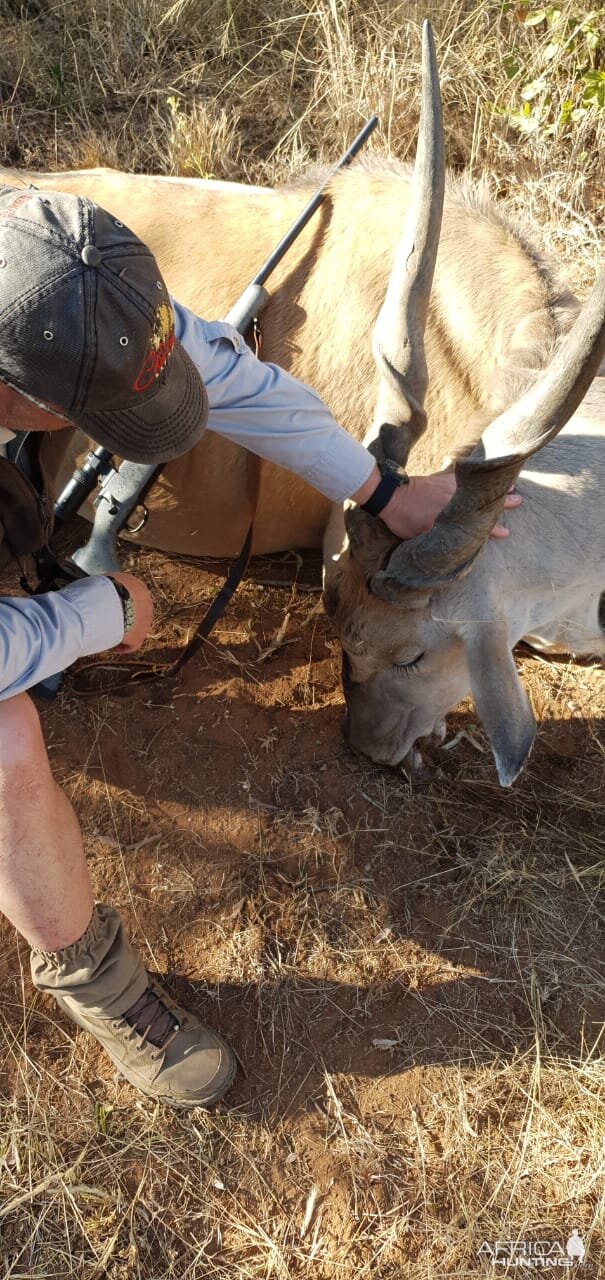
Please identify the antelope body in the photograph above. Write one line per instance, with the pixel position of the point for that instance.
(498, 314)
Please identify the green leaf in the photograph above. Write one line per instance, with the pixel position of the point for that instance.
(523, 120)
(533, 89)
(511, 66)
(594, 89)
(102, 1114)
(535, 17)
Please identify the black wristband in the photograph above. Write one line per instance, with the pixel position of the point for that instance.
(383, 492)
(122, 591)
(126, 601)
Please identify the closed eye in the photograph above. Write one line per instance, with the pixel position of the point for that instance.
(409, 667)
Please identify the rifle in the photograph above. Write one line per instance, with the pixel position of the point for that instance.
(124, 490)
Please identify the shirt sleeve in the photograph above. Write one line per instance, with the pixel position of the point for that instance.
(260, 406)
(42, 635)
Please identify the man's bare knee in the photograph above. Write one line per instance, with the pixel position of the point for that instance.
(22, 747)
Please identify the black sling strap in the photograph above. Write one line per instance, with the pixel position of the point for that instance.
(125, 676)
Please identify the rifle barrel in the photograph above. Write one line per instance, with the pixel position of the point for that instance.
(313, 204)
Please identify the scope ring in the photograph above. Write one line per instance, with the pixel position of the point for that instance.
(136, 528)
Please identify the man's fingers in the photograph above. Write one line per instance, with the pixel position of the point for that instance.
(512, 500)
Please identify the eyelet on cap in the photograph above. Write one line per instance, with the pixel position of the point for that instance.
(123, 340)
(158, 284)
(48, 335)
(2, 262)
(117, 224)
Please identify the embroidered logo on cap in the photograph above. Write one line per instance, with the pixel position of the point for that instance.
(11, 209)
(160, 346)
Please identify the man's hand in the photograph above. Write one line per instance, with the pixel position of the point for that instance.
(143, 613)
(414, 507)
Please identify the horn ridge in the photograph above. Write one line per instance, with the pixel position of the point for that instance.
(449, 549)
(398, 342)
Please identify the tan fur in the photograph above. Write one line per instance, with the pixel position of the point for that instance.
(495, 314)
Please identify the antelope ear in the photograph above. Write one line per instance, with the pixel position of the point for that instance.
(370, 542)
(500, 699)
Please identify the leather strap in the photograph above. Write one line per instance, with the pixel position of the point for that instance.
(234, 577)
(135, 672)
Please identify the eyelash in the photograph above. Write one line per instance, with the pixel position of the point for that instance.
(408, 667)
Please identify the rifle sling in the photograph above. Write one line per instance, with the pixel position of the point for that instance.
(135, 672)
(217, 608)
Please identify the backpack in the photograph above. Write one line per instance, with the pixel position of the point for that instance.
(27, 479)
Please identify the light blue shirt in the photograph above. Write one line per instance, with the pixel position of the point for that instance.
(40, 635)
(264, 409)
(251, 403)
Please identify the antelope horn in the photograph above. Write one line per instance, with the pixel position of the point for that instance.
(483, 478)
(398, 342)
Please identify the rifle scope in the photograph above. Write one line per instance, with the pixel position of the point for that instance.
(96, 464)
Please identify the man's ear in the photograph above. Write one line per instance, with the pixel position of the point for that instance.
(502, 704)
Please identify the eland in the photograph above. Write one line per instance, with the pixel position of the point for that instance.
(482, 359)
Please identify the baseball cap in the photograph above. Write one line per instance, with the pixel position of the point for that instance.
(87, 326)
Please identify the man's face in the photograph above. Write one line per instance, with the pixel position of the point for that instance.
(19, 413)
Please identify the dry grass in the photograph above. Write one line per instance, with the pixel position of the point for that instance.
(413, 980)
(256, 91)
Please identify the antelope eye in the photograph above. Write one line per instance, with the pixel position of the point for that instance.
(408, 667)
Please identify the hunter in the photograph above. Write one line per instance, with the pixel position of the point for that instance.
(90, 337)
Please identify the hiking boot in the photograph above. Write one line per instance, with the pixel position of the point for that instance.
(161, 1048)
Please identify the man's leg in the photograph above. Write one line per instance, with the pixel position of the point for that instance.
(45, 887)
(81, 954)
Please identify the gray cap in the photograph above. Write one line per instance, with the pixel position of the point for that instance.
(86, 326)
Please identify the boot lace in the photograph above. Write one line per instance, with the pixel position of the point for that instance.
(151, 1018)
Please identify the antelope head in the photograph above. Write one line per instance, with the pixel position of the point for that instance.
(425, 621)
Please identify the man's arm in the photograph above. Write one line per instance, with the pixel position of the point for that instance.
(40, 635)
(261, 407)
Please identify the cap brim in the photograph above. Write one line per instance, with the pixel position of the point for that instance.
(167, 424)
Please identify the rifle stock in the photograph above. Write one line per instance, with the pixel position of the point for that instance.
(124, 490)
(121, 492)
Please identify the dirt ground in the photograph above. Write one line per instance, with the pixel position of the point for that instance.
(412, 977)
